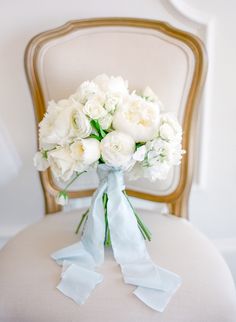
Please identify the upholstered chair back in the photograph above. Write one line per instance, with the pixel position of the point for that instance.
(144, 52)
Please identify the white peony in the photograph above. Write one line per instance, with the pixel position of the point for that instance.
(61, 163)
(117, 149)
(57, 128)
(94, 107)
(85, 152)
(112, 84)
(170, 129)
(40, 161)
(138, 118)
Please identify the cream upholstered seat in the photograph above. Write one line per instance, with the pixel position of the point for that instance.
(28, 277)
(172, 63)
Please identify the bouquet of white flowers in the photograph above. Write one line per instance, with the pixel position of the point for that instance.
(102, 125)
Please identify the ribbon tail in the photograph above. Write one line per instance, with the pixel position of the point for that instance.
(158, 299)
(155, 284)
(79, 260)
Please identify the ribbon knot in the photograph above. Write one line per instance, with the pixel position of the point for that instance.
(155, 284)
(112, 177)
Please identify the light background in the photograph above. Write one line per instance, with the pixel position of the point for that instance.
(213, 199)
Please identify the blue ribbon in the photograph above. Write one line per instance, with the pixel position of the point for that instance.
(155, 285)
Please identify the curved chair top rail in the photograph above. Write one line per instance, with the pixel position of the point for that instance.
(177, 200)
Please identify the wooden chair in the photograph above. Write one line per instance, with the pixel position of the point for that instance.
(172, 62)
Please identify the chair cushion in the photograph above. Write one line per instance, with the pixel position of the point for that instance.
(28, 277)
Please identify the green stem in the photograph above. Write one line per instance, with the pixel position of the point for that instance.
(81, 221)
(70, 182)
(107, 240)
(142, 227)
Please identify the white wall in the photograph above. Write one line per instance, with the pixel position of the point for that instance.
(213, 200)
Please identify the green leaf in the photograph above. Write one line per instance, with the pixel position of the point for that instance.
(101, 161)
(138, 145)
(45, 154)
(94, 136)
(63, 194)
(102, 132)
(95, 125)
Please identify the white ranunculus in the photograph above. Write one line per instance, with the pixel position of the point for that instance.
(138, 118)
(40, 162)
(112, 84)
(106, 121)
(57, 128)
(62, 198)
(170, 129)
(94, 108)
(117, 149)
(82, 125)
(61, 163)
(85, 152)
(85, 91)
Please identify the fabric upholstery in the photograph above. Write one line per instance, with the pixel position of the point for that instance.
(28, 277)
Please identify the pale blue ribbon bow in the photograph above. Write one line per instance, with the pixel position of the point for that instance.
(155, 284)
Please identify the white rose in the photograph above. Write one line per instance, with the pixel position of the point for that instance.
(85, 152)
(94, 108)
(62, 198)
(112, 84)
(57, 128)
(82, 125)
(40, 162)
(170, 129)
(117, 149)
(61, 163)
(106, 121)
(138, 118)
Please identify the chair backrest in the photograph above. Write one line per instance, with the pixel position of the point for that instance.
(145, 52)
